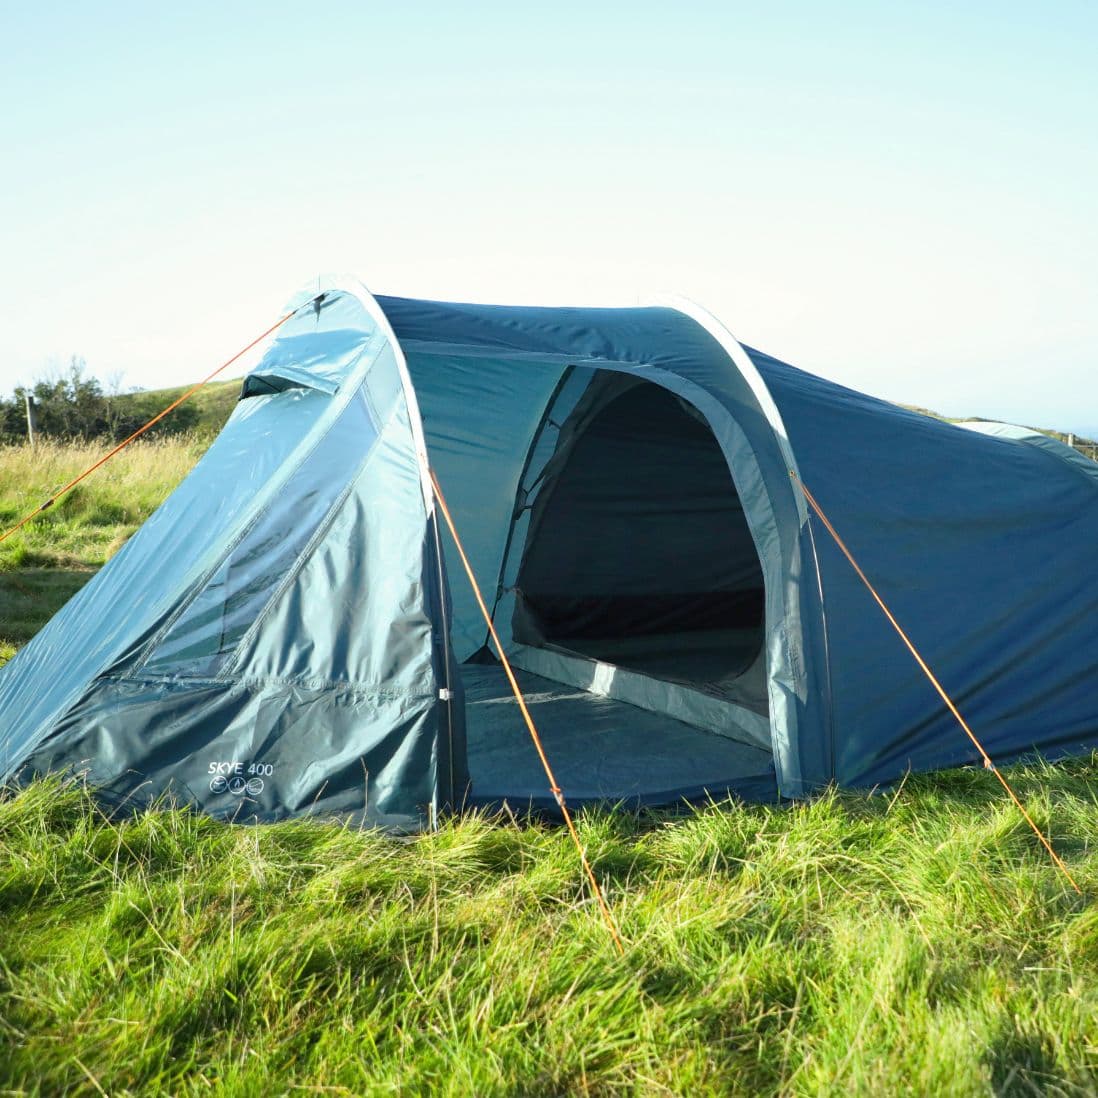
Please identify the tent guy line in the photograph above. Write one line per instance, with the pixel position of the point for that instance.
(910, 645)
(146, 426)
(554, 788)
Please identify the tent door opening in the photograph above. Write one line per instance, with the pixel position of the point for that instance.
(634, 602)
(638, 553)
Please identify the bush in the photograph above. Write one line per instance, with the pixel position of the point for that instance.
(74, 406)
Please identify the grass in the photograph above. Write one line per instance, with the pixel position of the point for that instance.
(58, 551)
(914, 942)
(917, 943)
(213, 404)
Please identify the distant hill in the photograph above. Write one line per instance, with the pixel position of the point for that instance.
(74, 407)
(213, 402)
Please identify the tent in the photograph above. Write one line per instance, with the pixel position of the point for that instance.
(290, 633)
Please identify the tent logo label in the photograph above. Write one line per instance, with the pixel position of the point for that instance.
(231, 769)
(239, 778)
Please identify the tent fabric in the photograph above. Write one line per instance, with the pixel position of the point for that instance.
(264, 647)
(980, 547)
(290, 634)
(1053, 446)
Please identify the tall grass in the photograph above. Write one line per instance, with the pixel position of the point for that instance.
(918, 943)
(60, 549)
(80, 527)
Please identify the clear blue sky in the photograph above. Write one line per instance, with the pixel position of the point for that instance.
(902, 197)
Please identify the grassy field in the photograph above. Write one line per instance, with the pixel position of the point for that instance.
(916, 941)
(59, 551)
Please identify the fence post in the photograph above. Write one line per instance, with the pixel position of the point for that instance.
(32, 418)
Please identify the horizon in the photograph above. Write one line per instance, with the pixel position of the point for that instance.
(897, 200)
(122, 390)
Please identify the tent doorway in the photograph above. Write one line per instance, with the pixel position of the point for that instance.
(637, 613)
(638, 553)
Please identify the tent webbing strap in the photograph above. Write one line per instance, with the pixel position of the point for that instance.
(151, 423)
(988, 764)
(555, 789)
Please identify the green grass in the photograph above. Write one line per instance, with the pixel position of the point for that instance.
(915, 942)
(58, 551)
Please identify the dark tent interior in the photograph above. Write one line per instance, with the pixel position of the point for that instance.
(639, 554)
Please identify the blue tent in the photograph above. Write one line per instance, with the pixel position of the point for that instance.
(290, 632)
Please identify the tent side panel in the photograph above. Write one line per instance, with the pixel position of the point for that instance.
(295, 667)
(980, 547)
(251, 751)
(164, 564)
(153, 573)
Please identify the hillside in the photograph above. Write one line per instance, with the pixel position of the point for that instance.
(214, 403)
(1086, 446)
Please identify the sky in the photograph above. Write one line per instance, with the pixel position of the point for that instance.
(901, 197)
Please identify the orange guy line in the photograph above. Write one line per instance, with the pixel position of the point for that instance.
(935, 683)
(557, 792)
